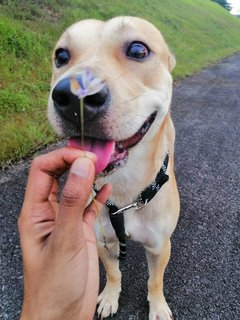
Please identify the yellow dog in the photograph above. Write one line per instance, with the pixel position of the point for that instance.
(121, 69)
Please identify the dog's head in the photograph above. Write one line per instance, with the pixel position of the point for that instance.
(123, 68)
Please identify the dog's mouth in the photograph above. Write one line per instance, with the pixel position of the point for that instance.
(111, 154)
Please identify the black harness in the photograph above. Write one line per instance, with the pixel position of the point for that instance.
(116, 213)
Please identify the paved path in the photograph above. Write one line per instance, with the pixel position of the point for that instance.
(203, 278)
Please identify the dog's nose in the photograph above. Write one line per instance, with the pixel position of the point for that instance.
(67, 104)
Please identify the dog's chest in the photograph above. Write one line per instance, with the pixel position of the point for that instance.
(139, 227)
(147, 225)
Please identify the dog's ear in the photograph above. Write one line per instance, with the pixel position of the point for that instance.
(171, 62)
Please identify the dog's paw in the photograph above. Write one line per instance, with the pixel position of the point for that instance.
(108, 302)
(160, 311)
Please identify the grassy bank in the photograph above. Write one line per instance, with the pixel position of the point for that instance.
(199, 32)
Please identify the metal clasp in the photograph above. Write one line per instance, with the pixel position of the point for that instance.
(132, 205)
(129, 206)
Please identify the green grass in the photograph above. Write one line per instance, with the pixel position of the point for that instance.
(199, 32)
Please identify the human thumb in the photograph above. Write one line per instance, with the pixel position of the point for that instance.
(76, 192)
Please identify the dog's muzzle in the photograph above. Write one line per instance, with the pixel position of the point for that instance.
(67, 104)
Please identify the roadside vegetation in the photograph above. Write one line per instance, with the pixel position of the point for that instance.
(198, 32)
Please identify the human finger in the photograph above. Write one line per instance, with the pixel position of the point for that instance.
(46, 168)
(94, 208)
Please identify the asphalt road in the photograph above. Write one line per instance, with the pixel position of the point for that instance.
(202, 281)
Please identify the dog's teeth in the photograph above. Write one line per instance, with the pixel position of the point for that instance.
(120, 147)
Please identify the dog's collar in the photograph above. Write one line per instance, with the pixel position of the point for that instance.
(116, 213)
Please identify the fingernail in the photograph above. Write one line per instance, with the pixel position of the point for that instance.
(90, 155)
(81, 167)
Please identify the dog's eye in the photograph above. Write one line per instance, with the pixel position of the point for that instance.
(62, 57)
(137, 51)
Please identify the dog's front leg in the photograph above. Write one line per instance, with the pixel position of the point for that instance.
(108, 299)
(157, 263)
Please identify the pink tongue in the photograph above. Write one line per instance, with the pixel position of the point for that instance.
(103, 150)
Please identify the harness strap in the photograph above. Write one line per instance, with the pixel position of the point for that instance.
(116, 214)
(151, 190)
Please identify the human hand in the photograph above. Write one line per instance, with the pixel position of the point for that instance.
(60, 259)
